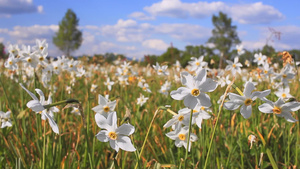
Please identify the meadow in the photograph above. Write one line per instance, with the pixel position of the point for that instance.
(71, 126)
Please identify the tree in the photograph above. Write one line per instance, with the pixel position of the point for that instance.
(68, 38)
(3, 55)
(224, 35)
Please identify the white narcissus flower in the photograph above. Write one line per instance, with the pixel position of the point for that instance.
(240, 49)
(117, 136)
(194, 92)
(283, 93)
(197, 63)
(180, 135)
(259, 58)
(38, 106)
(11, 62)
(93, 87)
(109, 83)
(246, 100)
(142, 100)
(183, 117)
(161, 70)
(286, 74)
(177, 66)
(234, 66)
(5, 119)
(280, 109)
(105, 106)
(201, 113)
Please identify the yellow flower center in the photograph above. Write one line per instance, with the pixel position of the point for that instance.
(259, 58)
(195, 92)
(284, 75)
(159, 70)
(180, 118)
(265, 71)
(41, 48)
(197, 63)
(233, 65)
(10, 62)
(202, 108)
(29, 60)
(283, 95)
(181, 137)
(106, 109)
(277, 110)
(41, 58)
(195, 111)
(113, 135)
(55, 67)
(71, 66)
(248, 102)
(144, 88)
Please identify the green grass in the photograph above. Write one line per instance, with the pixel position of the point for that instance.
(77, 147)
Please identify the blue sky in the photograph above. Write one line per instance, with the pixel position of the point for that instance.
(139, 27)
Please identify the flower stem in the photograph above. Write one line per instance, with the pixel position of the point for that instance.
(143, 146)
(220, 109)
(44, 146)
(188, 139)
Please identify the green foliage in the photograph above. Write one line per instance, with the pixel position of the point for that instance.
(171, 55)
(224, 35)
(3, 55)
(68, 38)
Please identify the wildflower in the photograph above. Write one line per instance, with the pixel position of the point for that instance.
(286, 74)
(200, 114)
(246, 100)
(76, 111)
(195, 89)
(38, 106)
(105, 106)
(68, 89)
(142, 100)
(109, 83)
(180, 135)
(177, 66)
(183, 117)
(5, 119)
(280, 109)
(93, 87)
(267, 70)
(234, 66)
(251, 140)
(197, 63)
(259, 58)
(145, 87)
(240, 49)
(117, 136)
(161, 69)
(283, 93)
(41, 45)
(11, 62)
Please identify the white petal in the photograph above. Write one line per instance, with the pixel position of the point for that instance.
(42, 96)
(190, 101)
(124, 143)
(31, 94)
(35, 105)
(232, 105)
(102, 122)
(246, 111)
(125, 129)
(187, 79)
(249, 87)
(113, 144)
(170, 122)
(101, 136)
(208, 86)
(112, 120)
(288, 116)
(236, 97)
(180, 93)
(101, 100)
(293, 106)
(52, 123)
(204, 100)
(266, 108)
(201, 75)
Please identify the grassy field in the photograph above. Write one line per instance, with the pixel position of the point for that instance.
(223, 140)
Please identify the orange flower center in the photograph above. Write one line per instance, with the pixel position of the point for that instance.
(181, 137)
(113, 135)
(197, 63)
(180, 118)
(195, 92)
(248, 102)
(233, 65)
(277, 110)
(283, 95)
(106, 109)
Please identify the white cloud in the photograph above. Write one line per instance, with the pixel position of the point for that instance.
(141, 16)
(156, 44)
(12, 7)
(253, 13)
